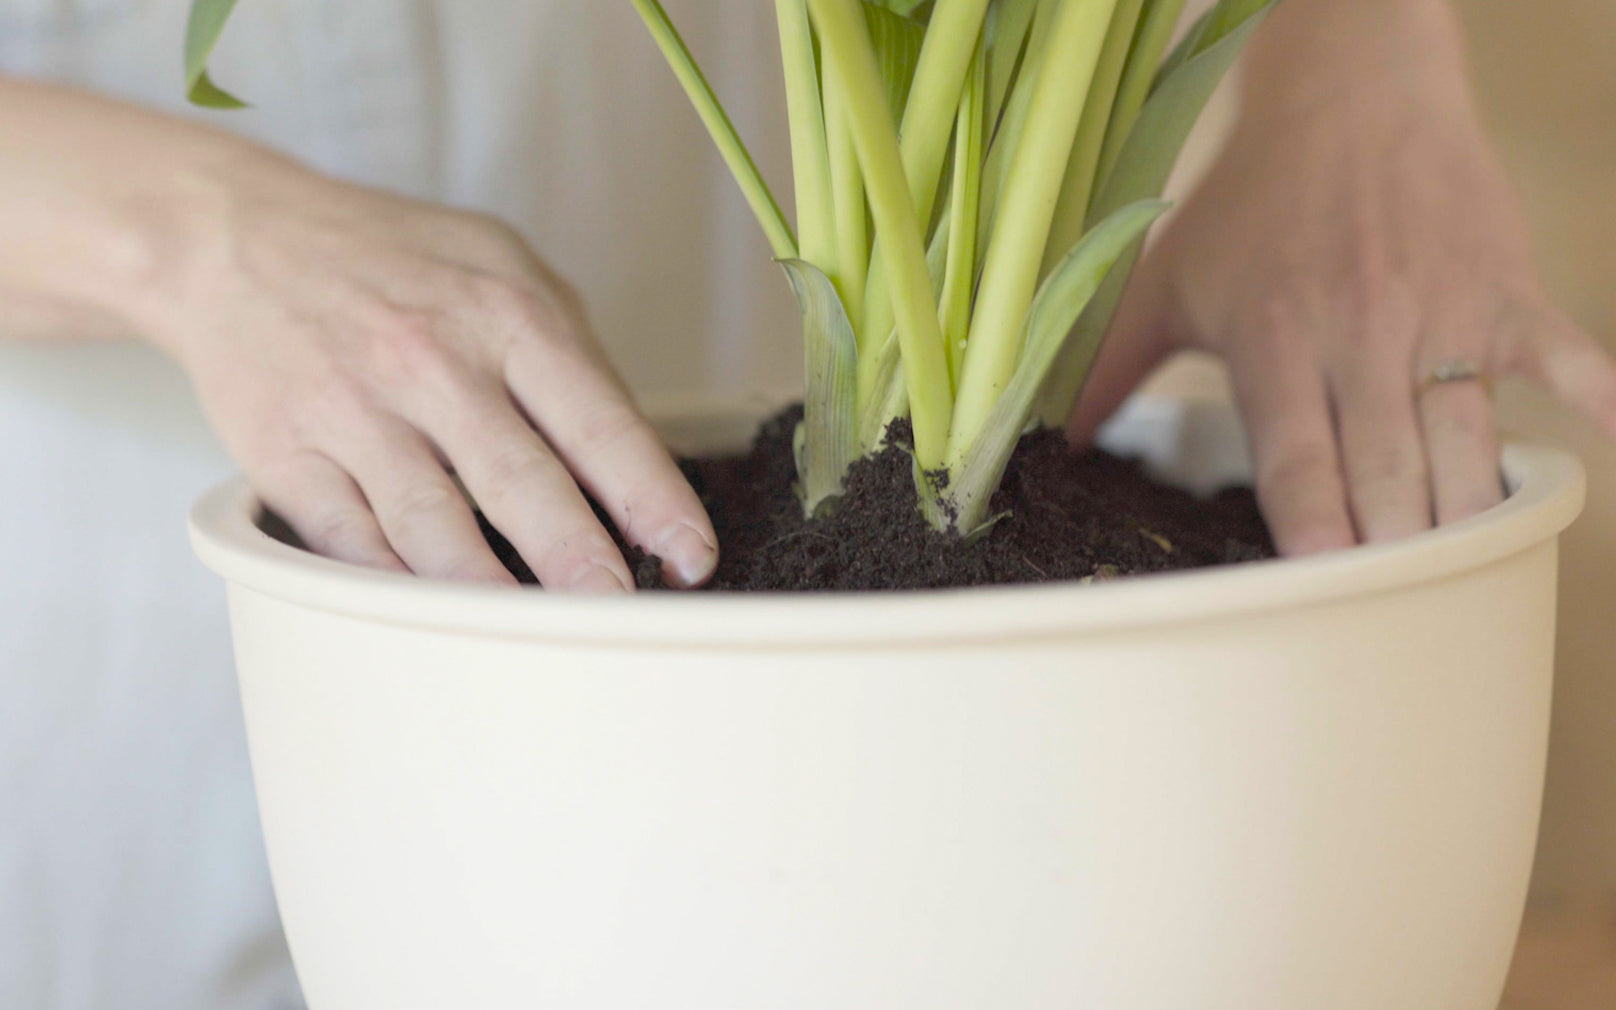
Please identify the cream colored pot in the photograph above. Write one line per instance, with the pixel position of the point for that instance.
(1300, 785)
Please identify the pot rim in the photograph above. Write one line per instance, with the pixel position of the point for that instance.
(1548, 488)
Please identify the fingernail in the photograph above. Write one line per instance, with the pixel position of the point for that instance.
(687, 554)
(598, 580)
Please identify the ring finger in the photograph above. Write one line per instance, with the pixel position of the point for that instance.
(423, 514)
(1461, 441)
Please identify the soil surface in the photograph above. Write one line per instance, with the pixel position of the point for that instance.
(1071, 517)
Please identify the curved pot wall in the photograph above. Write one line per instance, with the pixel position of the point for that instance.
(1293, 784)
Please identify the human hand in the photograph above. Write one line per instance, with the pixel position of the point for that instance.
(354, 348)
(1357, 234)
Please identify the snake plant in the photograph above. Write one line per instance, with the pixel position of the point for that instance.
(973, 180)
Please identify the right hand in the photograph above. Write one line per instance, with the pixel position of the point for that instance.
(1378, 238)
(353, 349)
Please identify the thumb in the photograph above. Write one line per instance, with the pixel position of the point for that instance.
(1139, 339)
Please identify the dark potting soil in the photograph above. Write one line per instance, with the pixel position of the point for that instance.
(1069, 517)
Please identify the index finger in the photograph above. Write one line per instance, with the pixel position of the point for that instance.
(616, 455)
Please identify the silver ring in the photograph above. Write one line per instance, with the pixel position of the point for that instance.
(1455, 370)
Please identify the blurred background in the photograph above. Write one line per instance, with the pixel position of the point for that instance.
(1547, 79)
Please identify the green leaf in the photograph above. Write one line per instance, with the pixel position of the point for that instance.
(736, 156)
(1060, 300)
(904, 8)
(1009, 23)
(851, 210)
(1157, 22)
(952, 39)
(829, 435)
(202, 33)
(1187, 46)
(1142, 171)
(948, 45)
(1217, 24)
(959, 284)
(898, 41)
(1153, 146)
(883, 387)
(1083, 169)
(1011, 117)
(851, 63)
(810, 147)
(887, 397)
(1029, 191)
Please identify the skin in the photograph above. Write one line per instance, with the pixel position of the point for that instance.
(357, 351)
(1357, 232)
(353, 349)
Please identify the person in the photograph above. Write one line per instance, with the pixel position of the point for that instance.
(359, 321)
(1358, 258)
(324, 269)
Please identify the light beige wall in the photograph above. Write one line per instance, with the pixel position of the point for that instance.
(1547, 78)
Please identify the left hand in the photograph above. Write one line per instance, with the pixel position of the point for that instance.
(1341, 251)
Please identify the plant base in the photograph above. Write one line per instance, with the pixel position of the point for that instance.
(1067, 517)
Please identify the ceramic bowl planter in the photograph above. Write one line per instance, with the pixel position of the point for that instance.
(1303, 784)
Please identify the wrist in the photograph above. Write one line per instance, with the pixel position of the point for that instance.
(168, 235)
(109, 208)
(1385, 56)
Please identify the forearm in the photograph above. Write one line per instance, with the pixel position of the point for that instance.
(1359, 52)
(30, 317)
(101, 203)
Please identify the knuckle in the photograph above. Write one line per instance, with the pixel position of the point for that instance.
(1302, 464)
(494, 242)
(1374, 306)
(544, 306)
(1281, 326)
(564, 294)
(493, 228)
(327, 406)
(514, 467)
(341, 530)
(575, 550)
(512, 301)
(1388, 308)
(1366, 378)
(419, 507)
(607, 427)
(1363, 287)
(1387, 465)
(1464, 420)
(1271, 318)
(409, 351)
(544, 314)
(1365, 280)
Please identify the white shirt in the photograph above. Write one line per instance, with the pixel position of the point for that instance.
(131, 872)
